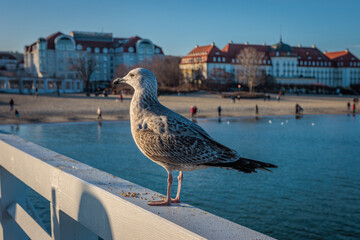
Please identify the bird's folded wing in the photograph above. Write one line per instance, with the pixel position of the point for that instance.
(175, 140)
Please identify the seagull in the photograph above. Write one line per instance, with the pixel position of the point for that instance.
(173, 141)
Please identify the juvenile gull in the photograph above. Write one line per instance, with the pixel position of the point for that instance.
(173, 141)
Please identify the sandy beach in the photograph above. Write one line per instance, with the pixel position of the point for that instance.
(78, 107)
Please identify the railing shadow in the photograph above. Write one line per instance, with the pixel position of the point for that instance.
(91, 215)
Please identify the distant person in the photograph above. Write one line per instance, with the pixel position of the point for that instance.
(297, 109)
(348, 106)
(36, 92)
(99, 113)
(256, 109)
(11, 103)
(17, 114)
(232, 99)
(268, 97)
(219, 110)
(239, 97)
(195, 110)
(353, 108)
(278, 98)
(192, 111)
(121, 97)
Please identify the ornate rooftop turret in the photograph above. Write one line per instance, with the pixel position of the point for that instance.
(281, 47)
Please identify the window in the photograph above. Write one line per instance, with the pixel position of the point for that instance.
(105, 50)
(79, 47)
(97, 50)
(219, 59)
(88, 49)
(223, 59)
(233, 60)
(157, 50)
(214, 59)
(277, 53)
(131, 49)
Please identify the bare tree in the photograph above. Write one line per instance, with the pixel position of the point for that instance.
(166, 69)
(219, 79)
(250, 61)
(84, 66)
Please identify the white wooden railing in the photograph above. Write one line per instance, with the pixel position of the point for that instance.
(86, 203)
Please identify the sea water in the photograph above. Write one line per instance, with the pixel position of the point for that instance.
(313, 194)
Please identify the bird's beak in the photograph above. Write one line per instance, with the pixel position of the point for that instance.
(118, 81)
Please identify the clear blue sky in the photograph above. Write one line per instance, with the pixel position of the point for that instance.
(177, 26)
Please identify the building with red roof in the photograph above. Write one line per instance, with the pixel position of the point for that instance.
(288, 65)
(52, 56)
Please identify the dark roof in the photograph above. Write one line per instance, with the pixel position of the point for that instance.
(343, 58)
(51, 40)
(6, 55)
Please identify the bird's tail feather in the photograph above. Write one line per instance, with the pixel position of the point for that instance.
(244, 165)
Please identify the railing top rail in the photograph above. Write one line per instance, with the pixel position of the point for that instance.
(109, 206)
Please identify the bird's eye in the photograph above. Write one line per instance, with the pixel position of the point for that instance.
(131, 75)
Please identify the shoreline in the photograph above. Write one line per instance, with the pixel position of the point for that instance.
(196, 119)
(79, 108)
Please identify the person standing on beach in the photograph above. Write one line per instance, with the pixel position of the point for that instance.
(99, 113)
(353, 108)
(36, 92)
(297, 109)
(121, 97)
(17, 114)
(348, 106)
(192, 111)
(11, 103)
(256, 109)
(219, 110)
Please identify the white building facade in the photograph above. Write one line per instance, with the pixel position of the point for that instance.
(295, 66)
(54, 56)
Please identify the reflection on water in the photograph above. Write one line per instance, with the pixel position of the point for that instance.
(314, 194)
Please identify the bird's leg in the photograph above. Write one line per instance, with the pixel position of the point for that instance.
(180, 178)
(167, 200)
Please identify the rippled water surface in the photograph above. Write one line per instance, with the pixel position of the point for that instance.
(314, 194)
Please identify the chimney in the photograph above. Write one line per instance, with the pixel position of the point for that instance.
(347, 50)
(231, 42)
(196, 46)
(264, 43)
(246, 43)
(212, 44)
(313, 46)
(325, 52)
(299, 45)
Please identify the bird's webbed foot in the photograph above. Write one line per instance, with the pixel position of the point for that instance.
(175, 200)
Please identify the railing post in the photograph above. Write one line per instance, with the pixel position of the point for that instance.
(11, 190)
(63, 227)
